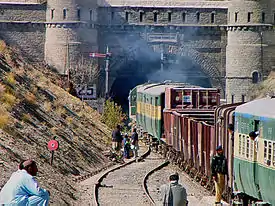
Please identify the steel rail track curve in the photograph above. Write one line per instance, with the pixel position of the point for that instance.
(100, 179)
(145, 188)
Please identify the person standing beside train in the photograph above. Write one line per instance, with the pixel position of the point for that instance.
(218, 171)
(117, 138)
(134, 138)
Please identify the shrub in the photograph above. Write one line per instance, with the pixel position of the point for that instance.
(112, 115)
(60, 111)
(69, 120)
(10, 79)
(47, 106)
(26, 117)
(3, 46)
(8, 99)
(4, 118)
(2, 89)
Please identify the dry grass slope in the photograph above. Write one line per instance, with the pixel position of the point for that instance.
(265, 88)
(33, 110)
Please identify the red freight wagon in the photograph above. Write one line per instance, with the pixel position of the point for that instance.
(191, 98)
(189, 125)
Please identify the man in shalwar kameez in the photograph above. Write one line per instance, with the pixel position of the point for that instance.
(22, 189)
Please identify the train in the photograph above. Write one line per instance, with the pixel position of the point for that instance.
(185, 123)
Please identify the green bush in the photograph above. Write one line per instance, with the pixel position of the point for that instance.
(112, 115)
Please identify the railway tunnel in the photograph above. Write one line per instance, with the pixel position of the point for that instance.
(138, 71)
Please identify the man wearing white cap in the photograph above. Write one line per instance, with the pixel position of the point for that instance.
(22, 189)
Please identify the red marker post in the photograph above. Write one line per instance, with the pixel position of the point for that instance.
(52, 146)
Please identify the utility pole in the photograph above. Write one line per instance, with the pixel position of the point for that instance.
(107, 56)
(262, 57)
(107, 73)
(67, 60)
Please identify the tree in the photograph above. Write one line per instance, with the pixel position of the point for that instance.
(84, 71)
(112, 115)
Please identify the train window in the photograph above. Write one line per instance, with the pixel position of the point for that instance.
(251, 148)
(243, 145)
(247, 147)
(274, 154)
(269, 151)
(240, 144)
(265, 150)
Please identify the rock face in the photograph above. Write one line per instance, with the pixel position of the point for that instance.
(34, 110)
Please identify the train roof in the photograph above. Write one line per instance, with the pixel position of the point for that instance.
(196, 88)
(158, 88)
(260, 107)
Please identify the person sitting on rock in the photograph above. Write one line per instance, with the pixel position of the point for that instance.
(22, 188)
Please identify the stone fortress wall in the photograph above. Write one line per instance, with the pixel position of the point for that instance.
(22, 25)
(207, 32)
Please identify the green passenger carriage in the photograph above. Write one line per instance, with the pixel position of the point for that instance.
(254, 158)
(150, 103)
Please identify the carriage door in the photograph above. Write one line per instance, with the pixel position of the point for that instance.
(253, 155)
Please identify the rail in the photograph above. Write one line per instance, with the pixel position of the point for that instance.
(145, 188)
(98, 184)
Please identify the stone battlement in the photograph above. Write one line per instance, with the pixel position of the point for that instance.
(163, 3)
(23, 1)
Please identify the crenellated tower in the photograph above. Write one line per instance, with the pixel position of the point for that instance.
(250, 46)
(70, 32)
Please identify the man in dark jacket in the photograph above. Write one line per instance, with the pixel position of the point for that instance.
(173, 194)
(117, 138)
(134, 139)
(219, 170)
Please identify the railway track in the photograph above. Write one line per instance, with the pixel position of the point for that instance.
(145, 180)
(124, 184)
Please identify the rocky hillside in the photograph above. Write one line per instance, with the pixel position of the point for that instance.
(265, 88)
(34, 110)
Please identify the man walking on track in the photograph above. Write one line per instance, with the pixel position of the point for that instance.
(219, 170)
(173, 193)
(22, 189)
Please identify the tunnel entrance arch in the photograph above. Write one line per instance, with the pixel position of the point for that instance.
(179, 66)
